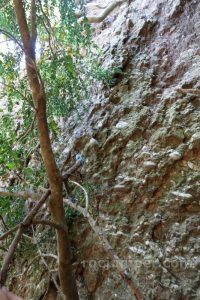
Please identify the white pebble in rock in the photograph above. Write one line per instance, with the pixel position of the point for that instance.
(175, 155)
(121, 124)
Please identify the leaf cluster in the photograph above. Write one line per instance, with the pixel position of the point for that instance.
(69, 65)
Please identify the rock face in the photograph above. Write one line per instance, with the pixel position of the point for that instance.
(141, 143)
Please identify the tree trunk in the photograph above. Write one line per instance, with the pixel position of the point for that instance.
(67, 280)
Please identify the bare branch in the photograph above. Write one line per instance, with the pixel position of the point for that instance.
(10, 36)
(47, 267)
(8, 258)
(49, 29)
(35, 258)
(108, 248)
(50, 255)
(48, 223)
(49, 37)
(72, 169)
(28, 157)
(9, 232)
(24, 195)
(87, 201)
(20, 228)
(3, 223)
(28, 219)
(30, 128)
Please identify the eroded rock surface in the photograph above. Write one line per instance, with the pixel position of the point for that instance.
(141, 144)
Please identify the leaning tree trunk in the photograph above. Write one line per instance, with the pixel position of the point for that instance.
(67, 280)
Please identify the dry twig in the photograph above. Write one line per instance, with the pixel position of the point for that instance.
(47, 267)
(20, 228)
(124, 273)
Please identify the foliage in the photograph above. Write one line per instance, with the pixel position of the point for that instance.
(68, 63)
(24, 250)
(62, 75)
(12, 210)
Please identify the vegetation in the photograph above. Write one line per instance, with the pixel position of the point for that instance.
(45, 38)
(47, 66)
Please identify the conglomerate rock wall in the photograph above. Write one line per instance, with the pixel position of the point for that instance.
(141, 142)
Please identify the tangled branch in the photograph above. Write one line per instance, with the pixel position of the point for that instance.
(9, 232)
(30, 128)
(20, 229)
(34, 259)
(42, 256)
(124, 273)
(11, 37)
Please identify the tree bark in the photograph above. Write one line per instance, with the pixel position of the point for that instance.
(67, 280)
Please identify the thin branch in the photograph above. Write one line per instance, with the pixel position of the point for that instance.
(124, 273)
(46, 17)
(72, 169)
(9, 232)
(29, 265)
(51, 34)
(47, 267)
(65, 161)
(48, 223)
(69, 172)
(26, 222)
(28, 219)
(8, 258)
(28, 157)
(10, 36)
(87, 200)
(29, 238)
(35, 258)
(50, 255)
(24, 195)
(30, 128)
(3, 223)
(49, 37)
